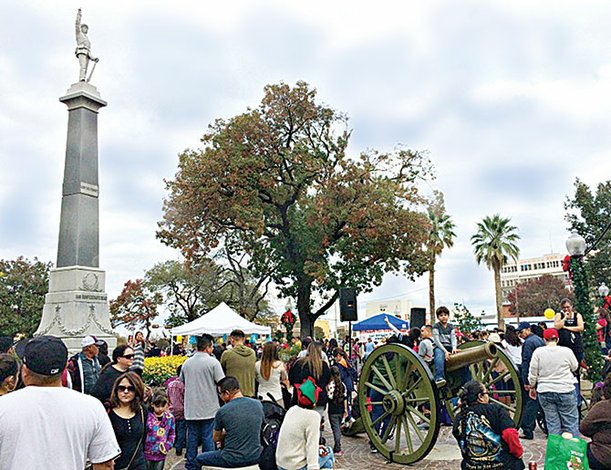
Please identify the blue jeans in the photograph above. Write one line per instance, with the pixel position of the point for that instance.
(336, 423)
(323, 462)
(195, 429)
(215, 459)
(181, 435)
(377, 411)
(439, 359)
(561, 413)
(529, 414)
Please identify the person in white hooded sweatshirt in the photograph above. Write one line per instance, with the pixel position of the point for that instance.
(551, 375)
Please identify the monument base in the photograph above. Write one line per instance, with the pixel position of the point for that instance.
(77, 306)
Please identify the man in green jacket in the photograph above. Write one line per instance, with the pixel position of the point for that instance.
(239, 362)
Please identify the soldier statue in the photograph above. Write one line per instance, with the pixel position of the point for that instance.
(83, 49)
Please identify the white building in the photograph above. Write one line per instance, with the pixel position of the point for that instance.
(396, 307)
(514, 273)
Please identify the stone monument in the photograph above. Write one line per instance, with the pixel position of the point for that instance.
(77, 304)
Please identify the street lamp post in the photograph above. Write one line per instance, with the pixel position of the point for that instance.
(576, 246)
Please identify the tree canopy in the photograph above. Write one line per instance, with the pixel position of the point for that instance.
(275, 184)
(533, 296)
(136, 306)
(23, 285)
(589, 214)
(192, 289)
(493, 244)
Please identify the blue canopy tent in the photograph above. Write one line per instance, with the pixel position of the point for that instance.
(378, 322)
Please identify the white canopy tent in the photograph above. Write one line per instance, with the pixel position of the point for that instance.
(221, 320)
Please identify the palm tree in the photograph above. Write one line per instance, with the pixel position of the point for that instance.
(441, 235)
(494, 243)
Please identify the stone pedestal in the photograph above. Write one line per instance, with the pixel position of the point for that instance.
(77, 305)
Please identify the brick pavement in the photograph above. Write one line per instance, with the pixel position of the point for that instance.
(445, 455)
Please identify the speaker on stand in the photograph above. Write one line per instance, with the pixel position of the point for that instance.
(348, 311)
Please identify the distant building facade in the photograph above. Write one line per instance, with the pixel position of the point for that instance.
(514, 273)
(401, 308)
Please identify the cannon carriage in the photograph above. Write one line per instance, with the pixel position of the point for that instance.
(402, 408)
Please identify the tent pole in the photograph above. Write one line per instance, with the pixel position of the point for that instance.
(171, 344)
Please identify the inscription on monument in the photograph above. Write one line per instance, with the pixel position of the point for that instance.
(89, 189)
(91, 297)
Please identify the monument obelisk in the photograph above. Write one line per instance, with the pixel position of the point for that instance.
(77, 304)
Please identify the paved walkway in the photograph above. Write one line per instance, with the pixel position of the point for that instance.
(445, 455)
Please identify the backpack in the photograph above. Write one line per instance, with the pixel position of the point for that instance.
(273, 416)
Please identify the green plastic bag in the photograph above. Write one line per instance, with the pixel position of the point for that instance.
(566, 454)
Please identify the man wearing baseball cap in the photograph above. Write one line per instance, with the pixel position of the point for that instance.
(84, 367)
(46, 425)
(551, 374)
(531, 406)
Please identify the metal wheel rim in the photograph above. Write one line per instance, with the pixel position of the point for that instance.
(411, 385)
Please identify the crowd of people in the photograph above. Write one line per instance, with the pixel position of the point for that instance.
(97, 411)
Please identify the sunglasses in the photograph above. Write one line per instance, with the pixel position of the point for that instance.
(126, 388)
(128, 356)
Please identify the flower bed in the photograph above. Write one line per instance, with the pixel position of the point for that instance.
(159, 369)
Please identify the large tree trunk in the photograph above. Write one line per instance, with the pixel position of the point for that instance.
(499, 297)
(306, 321)
(432, 292)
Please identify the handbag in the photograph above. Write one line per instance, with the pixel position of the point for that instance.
(566, 454)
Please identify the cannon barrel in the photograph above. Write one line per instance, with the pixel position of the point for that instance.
(466, 357)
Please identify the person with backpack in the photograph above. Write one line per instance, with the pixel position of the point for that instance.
(337, 408)
(311, 365)
(298, 441)
(347, 373)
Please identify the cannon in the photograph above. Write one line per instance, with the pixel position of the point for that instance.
(401, 406)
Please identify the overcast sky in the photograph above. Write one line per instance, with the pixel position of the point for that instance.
(512, 99)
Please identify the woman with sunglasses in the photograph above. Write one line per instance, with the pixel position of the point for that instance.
(127, 415)
(122, 358)
(486, 435)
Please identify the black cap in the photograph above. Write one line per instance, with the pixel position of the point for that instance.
(46, 355)
(6, 343)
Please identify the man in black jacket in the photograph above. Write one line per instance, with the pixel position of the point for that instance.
(531, 342)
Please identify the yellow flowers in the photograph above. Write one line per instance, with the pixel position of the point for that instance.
(159, 369)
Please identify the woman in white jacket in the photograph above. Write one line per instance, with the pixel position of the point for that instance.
(298, 441)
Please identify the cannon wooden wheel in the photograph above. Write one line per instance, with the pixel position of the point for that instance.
(399, 404)
(490, 372)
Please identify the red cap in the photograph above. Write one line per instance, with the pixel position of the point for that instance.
(550, 333)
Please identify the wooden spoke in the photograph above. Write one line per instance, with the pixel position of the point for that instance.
(388, 428)
(381, 377)
(416, 412)
(507, 407)
(398, 436)
(408, 437)
(500, 377)
(391, 377)
(411, 389)
(376, 388)
(490, 369)
(380, 418)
